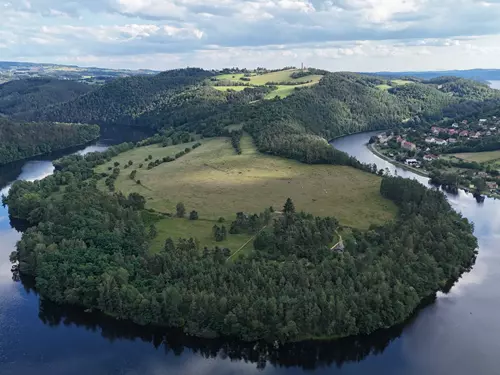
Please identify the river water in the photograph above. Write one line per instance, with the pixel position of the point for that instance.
(456, 334)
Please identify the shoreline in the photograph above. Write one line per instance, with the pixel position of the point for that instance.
(421, 173)
(376, 152)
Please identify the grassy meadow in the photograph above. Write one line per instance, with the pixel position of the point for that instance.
(261, 79)
(395, 82)
(480, 157)
(216, 182)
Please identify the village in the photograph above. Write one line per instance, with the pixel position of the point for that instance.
(467, 152)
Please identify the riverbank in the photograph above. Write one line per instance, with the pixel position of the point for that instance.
(373, 149)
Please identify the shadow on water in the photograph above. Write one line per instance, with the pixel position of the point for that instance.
(308, 355)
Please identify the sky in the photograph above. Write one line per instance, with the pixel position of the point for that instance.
(352, 35)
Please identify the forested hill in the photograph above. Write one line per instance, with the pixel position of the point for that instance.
(24, 140)
(341, 103)
(37, 93)
(123, 100)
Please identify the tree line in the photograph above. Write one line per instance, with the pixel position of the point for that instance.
(21, 140)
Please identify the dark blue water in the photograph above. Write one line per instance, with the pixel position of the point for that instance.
(456, 334)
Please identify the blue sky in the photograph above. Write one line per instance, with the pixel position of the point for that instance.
(358, 35)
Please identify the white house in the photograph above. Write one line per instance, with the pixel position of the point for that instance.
(483, 120)
(430, 140)
(430, 157)
(441, 142)
(412, 162)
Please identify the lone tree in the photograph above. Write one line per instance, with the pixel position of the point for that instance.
(116, 164)
(169, 245)
(193, 215)
(181, 210)
(133, 174)
(289, 207)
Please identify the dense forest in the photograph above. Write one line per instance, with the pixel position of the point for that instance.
(37, 93)
(20, 140)
(90, 248)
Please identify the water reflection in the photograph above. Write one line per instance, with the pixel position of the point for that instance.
(307, 355)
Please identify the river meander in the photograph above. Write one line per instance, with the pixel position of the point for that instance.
(456, 334)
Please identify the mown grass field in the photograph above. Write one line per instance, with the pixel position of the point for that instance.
(216, 182)
(480, 157)
(261, 80)
(395, 82)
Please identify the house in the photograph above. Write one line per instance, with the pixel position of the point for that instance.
(493, 128)
(441, 142)
(435, 130)
(492, 185)
(482, 174)
(430, 140)
(464, 122)
(452, 131)
(455, 125)
(412, 162)
(488, 133)
(475, 135)
(483, 120)
(430, 157)
(408, 145)
(399, 139)
(464, 133)
(452, 140)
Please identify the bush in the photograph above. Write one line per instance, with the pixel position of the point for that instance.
(180, 209)
(193, 215)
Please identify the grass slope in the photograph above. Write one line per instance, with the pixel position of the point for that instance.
(216, 182)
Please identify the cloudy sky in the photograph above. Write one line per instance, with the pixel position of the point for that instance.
(357, 35)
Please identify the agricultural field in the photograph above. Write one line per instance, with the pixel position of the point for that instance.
(216, 182)
(261, 80)
(480, 157)
(395, 82)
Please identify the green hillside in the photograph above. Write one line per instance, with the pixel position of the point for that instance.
(20, 140)
(33, 94)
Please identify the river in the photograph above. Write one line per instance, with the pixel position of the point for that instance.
(456, 334)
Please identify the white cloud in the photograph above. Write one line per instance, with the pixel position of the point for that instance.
(240, 32)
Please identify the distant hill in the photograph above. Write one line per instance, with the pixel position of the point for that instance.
(335, 104)
(475, 74)
(36, 93)
(11, 70)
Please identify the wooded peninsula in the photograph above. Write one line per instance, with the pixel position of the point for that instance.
(219, 223)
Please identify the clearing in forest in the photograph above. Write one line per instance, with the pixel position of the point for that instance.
(395, 82)
(282, 91)
(216, 182)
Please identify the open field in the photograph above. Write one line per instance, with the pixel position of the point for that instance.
(261, 80)
(395, 82)
(138, 156)
(480, 157)
(199, 229)
(216, 182)
(234, 88)
(285, 90)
